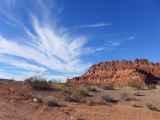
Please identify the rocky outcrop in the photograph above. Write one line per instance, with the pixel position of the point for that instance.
(120, 73)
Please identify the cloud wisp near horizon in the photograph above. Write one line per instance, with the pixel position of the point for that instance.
(45, 47)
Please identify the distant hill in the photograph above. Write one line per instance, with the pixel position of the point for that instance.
(4, 80)
(120, 73)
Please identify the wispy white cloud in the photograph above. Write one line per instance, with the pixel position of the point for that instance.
(48, 46)
(96, 25)
(20, 76)
(131, 37)
(91, 50)
(114, 43)
(21, 64)
(117, 40)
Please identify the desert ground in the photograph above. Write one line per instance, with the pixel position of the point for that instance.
(130, 103)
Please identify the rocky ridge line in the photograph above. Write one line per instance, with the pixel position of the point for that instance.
(120, 73)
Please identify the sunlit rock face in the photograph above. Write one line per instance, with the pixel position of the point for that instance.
(120, 73)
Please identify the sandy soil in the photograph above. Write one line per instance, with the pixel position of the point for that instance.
(14, 106)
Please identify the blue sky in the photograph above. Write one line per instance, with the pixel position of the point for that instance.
(63, 38)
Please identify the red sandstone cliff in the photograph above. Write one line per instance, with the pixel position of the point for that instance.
(120, 73)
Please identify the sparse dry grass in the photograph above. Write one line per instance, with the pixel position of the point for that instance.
(109, 98)
(137, 86)
(91, 89)
(150, 87)
(137, 104)
(108, 87)
(51, 101)
(127, 97)
(139, 93)
(74, 95)
(153, 106)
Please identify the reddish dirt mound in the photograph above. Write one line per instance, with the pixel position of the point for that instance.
(120, 73)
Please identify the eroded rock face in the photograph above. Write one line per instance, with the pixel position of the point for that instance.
(120, 73)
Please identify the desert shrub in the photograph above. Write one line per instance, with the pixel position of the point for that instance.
(127, 97)
(153, 106)
(30, 96)
(108, 87)
(151, 86)
(67, 91)
(38, 83)
(137, 104)
(73, 98)
(82, 93)
(138, 86)
(75, 95)
(139, 94)
(90, 102)
(51, 101)
(91, 89)
(109, 98)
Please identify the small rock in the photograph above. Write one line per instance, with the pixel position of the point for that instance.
(107, 114)
(35, 100)
(89, 102)
(71, 117)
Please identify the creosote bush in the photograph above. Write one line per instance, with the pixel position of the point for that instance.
(153, 106)
(109, 98)
(127, 97)
(152, 86)
(137, 104)
(75, 95)
(38, 83)
(139, 94)
(51, 101)
(91, 89)
(138, 86)
(108, 87)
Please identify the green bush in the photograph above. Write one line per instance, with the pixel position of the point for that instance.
(38, 83)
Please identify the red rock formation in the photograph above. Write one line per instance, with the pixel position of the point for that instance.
(120, 73)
